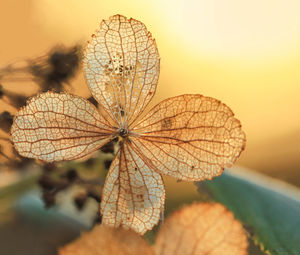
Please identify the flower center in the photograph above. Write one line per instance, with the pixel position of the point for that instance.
(123, 132)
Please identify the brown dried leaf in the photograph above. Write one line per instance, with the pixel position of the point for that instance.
(202, 228)
(122, 67)
(190, 137)
(133, 194)
(55, 127)
(103, 240)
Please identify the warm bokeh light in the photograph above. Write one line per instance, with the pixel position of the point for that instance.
(245, 53)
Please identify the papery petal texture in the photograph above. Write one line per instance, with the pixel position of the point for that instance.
(56, 127)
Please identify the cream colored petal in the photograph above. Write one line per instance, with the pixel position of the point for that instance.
(103, 240)
(190, 137)
(201, 229)
(55, 127)
(121, 65)
(133, 195)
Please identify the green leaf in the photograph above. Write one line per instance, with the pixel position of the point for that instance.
(268, 208)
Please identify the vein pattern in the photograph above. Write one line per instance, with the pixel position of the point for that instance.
(190, 137)
(55, 127)
(122, 67)
(201, 229)
(133, 194)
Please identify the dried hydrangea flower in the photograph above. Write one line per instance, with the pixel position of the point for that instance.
(104, 240)
(189, 137)
(197, 229)
(201, 228)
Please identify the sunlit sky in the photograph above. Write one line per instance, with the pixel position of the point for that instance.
(245, 53)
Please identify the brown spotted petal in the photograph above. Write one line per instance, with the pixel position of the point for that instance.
(201, 229)
(190, 137)
(55, 127)
(133, 194)
(121, 65)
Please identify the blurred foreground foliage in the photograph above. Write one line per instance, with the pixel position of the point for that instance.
(269, 209)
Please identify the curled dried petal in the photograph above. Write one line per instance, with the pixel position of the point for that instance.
(202, 228)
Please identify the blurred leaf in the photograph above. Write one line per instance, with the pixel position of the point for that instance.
(268, 208)
(11, 192)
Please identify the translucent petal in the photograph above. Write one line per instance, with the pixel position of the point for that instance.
(133, 194)
(55, 127)
(122, 67)
(202, 229)
(103, 240)
(190, 137)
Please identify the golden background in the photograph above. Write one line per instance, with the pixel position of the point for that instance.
(245, 53)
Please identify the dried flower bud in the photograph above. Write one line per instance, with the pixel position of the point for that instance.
(1, 91)
(98, 218)
(109, 147)
(49, 199)
(46, 182)
(71, 174)
(107, 163)
(90, 162)
(6, 120)
(49, 167)
(14, 99)
(59, 67)
(93, 101)
(80, 200)
(20, 163)
(94, 195)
